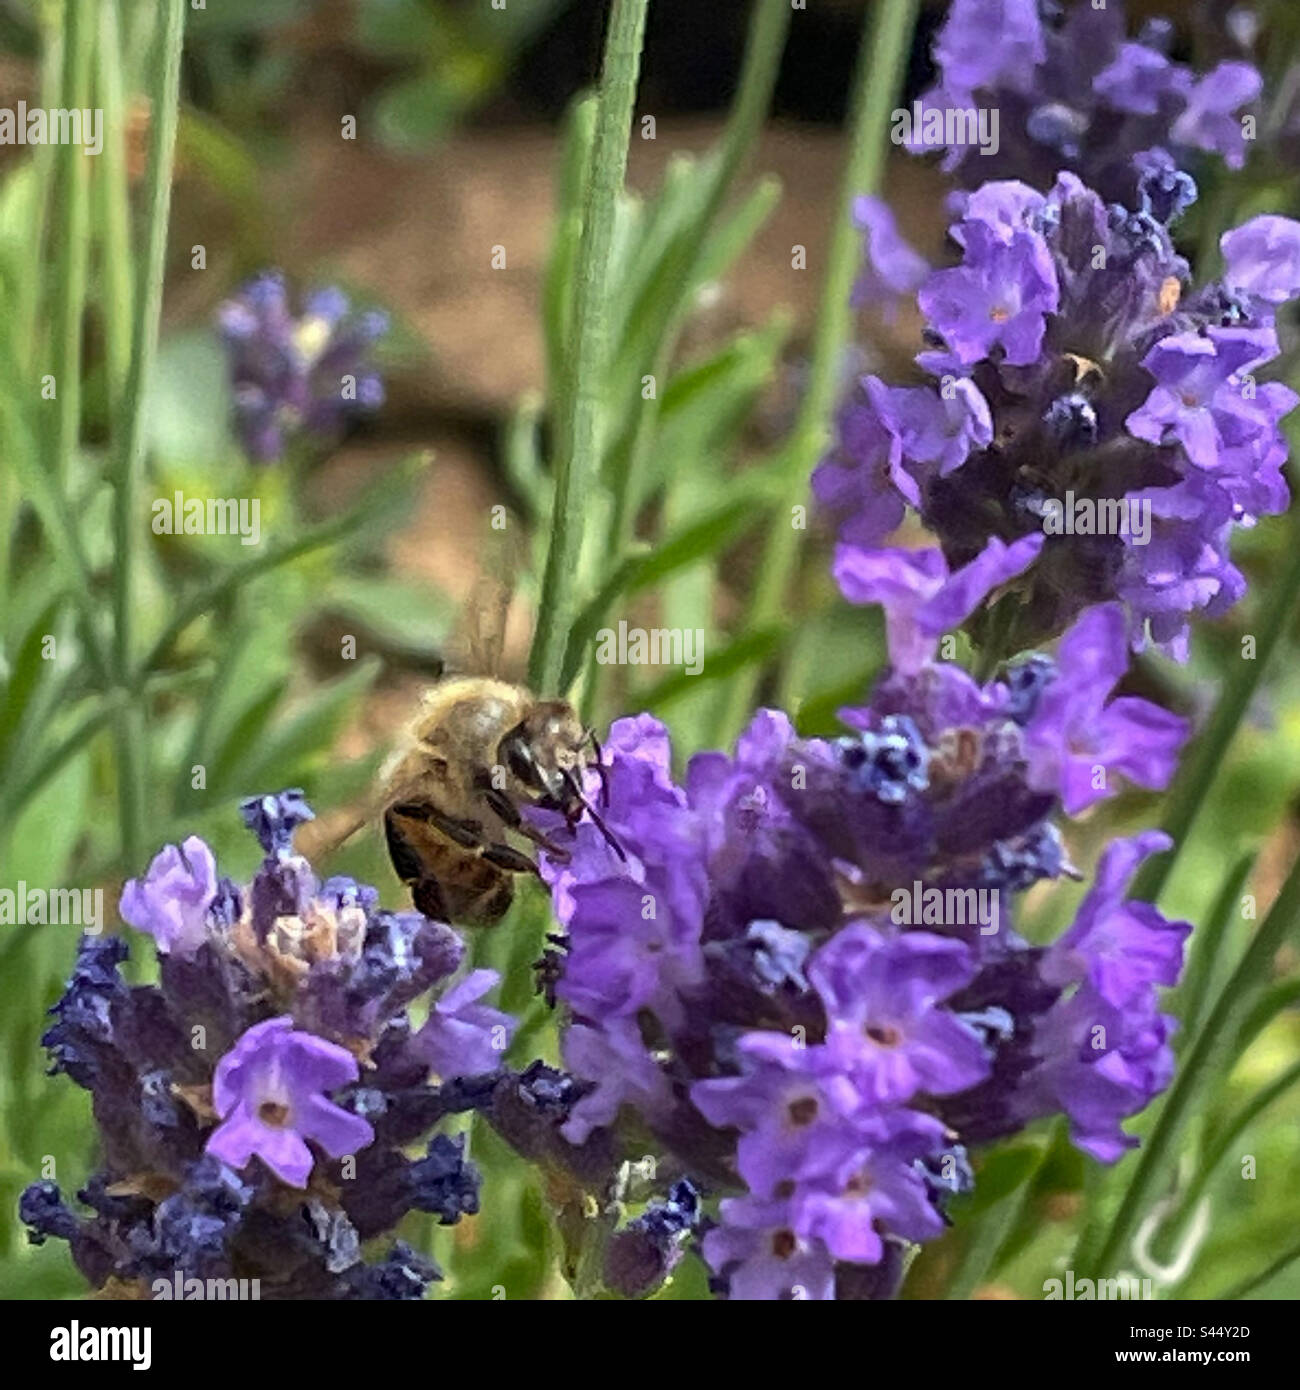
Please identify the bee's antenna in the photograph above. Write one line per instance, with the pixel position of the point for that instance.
(610, 840)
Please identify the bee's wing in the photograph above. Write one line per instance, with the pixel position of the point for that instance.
(318, 839)
(479, 642)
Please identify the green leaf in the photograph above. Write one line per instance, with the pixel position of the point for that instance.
(283, 754)
(404, 615)
(1002, 1188)
(560, 278)
(735, 655)
(1199, 1072)
(1277, 999)
(708, 536)
(248, 732)
(1207, 948)
(379, 506)
(1225, 1134)
(26, 673)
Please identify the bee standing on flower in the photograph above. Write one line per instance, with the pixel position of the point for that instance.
(480, 751)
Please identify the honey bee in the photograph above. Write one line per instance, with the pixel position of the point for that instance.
(479, 752)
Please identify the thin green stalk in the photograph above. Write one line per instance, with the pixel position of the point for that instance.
(32, 285)
(578, 458)
(25, 328)
(1213, 1043)
(71, 264)
(769, 25)
(882, 62)
(113, 189)
(1199, 769)
(768, 28)
(164, 103)
(980, 1258)
(1207, 947)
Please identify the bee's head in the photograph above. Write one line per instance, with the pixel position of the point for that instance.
(544, 756)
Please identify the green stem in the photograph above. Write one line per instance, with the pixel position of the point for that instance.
(769, 25)
(115, 208)
(979, 1260)
(27, 298)
(71, 266)
(1213, 1044)
(882, 61)
(578, 458)
(768, 28)
(164, 102)
(1206, 949)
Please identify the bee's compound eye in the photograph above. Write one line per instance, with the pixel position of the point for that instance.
(519, 760)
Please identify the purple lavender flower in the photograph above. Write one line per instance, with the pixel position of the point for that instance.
(862, 485)
(1120, 948)
(171, 902)
(883, 1189)
(938, 428)
(1199, 399)
(297, 375)
(1139, 80)
(998, 297)
(619, 1070)
(463, 1037)
(1097, 1060)
(795, 1112)
(965, 55)
(922, 600)
(884, 1024)
(269, 1091)
(806, 1045)
(1078, 736)
(762, 1259)
(893, 268)
(1262, 258)
(1211, 119)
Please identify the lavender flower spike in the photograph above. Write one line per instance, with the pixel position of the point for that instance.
(296, 375)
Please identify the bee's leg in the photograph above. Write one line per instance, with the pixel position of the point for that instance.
(601, 770)
(469, 835)
(506, 857)
(509, 813)
(466, 833)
